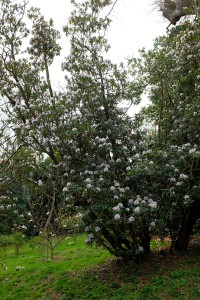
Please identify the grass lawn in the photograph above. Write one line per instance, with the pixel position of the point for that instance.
(80, 272)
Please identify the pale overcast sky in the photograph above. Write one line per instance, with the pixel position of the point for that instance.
(135, 25)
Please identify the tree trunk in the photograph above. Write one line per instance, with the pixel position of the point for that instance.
(189, 220)
(145, 239)
(173, 10)
(17, 249)
(52, 253)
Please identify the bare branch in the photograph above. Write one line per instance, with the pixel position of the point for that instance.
(3, 266)
(112, 8)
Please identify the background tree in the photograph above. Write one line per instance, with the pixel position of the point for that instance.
(30, 106)
(23, 86)
(172, 76)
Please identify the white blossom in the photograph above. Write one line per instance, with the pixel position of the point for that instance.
(117, 217)
(130, 201)
(24, 227)
(153, 204)
(140, 249)
(39, 182)
(183, 176)
(137, 202)
(97, 229)
(137, 209)
(192, 151)
(172, 179)
(91, 236)
(179, 183)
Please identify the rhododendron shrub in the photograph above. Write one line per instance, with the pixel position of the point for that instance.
(118, 211)
(171, 73)
(105, 144)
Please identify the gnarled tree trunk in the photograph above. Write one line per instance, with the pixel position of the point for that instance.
(188, 223)
(173, 10)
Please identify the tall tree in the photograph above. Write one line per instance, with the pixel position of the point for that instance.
(22, 84)
(105, 144)
(31, 107)
(172, 73)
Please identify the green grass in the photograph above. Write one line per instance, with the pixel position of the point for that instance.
(79, 272)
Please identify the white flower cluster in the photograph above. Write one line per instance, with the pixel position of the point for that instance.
(183, 176)
(117, 216)
(135, 207)
(90, 238)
